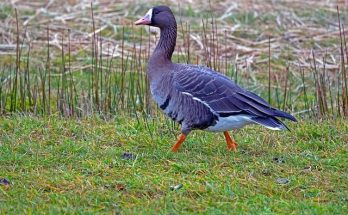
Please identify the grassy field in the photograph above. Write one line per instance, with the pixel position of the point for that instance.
(79, 133)
(81, 58)
(56, 165)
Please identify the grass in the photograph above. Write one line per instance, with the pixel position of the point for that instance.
(88, 166)
(94, 61)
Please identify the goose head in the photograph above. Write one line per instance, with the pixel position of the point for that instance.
(159, 16)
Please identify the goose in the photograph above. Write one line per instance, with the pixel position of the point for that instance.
(197, 97)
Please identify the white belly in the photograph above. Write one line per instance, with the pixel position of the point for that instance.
(230, 123)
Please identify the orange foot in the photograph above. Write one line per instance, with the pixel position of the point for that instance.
(177, 145)
(231, 144)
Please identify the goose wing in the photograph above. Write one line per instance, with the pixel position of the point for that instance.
(221, 94)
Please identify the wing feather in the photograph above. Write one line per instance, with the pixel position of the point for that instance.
(221, 94)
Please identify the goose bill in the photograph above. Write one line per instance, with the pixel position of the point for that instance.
(146, 20)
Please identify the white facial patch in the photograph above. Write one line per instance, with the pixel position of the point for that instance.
(148, 15)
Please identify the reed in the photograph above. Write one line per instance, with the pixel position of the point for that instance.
(343, 50)
(111, 85)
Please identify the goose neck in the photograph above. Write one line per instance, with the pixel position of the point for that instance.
(166, 45)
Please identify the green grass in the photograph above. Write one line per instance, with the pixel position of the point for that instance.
(76, 166)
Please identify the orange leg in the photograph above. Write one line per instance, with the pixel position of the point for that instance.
(231, 144)
(177, 145)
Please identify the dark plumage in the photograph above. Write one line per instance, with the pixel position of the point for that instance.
(198, 97)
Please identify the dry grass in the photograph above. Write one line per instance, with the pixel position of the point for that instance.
(299, 47)
(295, 27)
